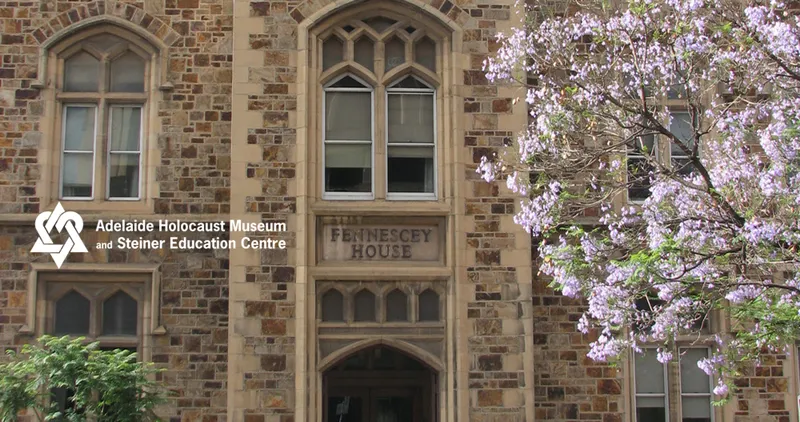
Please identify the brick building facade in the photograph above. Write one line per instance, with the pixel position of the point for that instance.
(215, 110)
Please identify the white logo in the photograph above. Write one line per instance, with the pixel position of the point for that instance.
(58, 218)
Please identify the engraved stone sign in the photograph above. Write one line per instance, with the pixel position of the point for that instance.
(345, 240)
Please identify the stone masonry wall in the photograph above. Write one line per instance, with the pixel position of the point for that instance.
(195, 116)
(569, 386)
(193, 176)
(194, 311)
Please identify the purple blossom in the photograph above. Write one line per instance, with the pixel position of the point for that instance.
(704, 238)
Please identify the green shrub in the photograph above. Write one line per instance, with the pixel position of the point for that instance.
(107, 386)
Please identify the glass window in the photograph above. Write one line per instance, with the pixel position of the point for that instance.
(364, 53)
(127, 73)
(428, 306)
(396, 306)
(650, 384)
(107, 103)
(395, 53)
(81, 73)
(332, 52)
(681, 126)
(365, 306)
(72, 314)
(402, 119)
(411, 134)
(333, 306)
(695, 387)
(380, 23)
(348, 137)
(77, 170)
(120, 315)
(95, 309)
(425, 53)
(640, 167)
(124, 152)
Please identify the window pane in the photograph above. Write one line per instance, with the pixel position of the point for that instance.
(396, 306)
(77, 175)
(410, 169)
(651, 414)
(126, 124)
(348, 116)
(332, 306)
(425, 53)
(410, 82)
(348, 82)
(348, 168)
(72, 314)
(428, 306)
(120, 315)
(693, 379)
(365, 306)
(696, 409)
(127, 74)
(77, 168)
(81, 73)
(364, 53)
(638, 178)
(681, 127)
(411, 118)
(644, 145)
(395, 53)
(123, 176)
(380, 23)
(79, 129)
(332, 52)
(105, 42)
(649, 373)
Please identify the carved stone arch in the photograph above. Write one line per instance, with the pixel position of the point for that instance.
(111, 14)
(310, 12)
(424, 356)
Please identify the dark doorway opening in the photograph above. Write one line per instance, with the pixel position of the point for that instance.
(380, 384)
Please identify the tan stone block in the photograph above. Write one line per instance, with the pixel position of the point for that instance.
(17, 299)
(490, 398)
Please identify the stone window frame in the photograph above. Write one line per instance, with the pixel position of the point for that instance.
(379, 81)
(381, 289)
(53, 64)
(53, 287)
(39, 319)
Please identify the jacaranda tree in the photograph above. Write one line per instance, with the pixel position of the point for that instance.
(693, 107)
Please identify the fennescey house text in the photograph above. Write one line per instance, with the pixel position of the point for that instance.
(380, 243)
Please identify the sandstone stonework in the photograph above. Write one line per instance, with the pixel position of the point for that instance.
(237, 110)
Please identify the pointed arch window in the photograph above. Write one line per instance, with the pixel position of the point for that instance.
(379, 77)
(102, 94)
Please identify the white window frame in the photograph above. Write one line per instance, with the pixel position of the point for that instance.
(710, 393)
(636, 394)
(368, 88)
(64, 150)
(109, 152)
(390, 90)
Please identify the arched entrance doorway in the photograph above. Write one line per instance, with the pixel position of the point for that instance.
(380, 384)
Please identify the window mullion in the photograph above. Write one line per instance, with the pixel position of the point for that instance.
(101, 151)
(379, 141)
